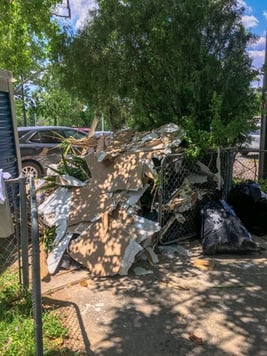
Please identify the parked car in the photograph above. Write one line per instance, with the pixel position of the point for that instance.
(40, 146)
(97, 133)
(253, 142)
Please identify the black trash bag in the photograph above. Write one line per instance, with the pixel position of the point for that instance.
(222, 231)
(250, 205)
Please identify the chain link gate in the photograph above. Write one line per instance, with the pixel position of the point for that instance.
(246, 166)
(15, 247)
(183, 184)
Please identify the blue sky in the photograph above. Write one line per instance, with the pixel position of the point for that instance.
(255, 19)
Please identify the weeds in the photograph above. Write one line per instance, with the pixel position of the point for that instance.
(17, 323)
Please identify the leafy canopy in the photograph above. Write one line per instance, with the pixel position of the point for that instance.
(146, 63)
(29, 35)
(26, 30)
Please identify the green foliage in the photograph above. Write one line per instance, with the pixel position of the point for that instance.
(17, 324)
(48, 238)
(53, 326)
(71, 164)
(53, 105)
(74, 166)
(28, 37)
(25, 34)
(146, 63)
(263, 185)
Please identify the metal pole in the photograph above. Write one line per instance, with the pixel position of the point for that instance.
(36, 278)
(23, 103)
(263, 143)
(24, 231)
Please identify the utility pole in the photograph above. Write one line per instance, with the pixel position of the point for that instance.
(263, 142)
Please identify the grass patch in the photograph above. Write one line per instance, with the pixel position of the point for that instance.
(17, 323)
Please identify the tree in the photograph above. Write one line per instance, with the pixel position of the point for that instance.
(28, 34)
(53, 105)
(181, 61)
(26, 30)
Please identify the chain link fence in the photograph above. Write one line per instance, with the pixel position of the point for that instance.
(14, 248)
(246, 166)
(184, 183)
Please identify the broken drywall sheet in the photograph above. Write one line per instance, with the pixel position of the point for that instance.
(67, 180)
(99, 249)
(129, 257)
(55, 257)
(88, 203)
(56, 206)
(120, 141)
(124, 172)
(103, 211)
(135, 196)
(143, 228)
(110, 245)
(151, 255)
(183, 199)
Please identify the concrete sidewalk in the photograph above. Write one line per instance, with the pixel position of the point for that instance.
(218, 308)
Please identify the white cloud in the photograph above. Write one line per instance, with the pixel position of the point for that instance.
(250, 21)
(265, 14)
(257, 57)
(257, 54)
(80, 11)
(242, 3)
(259, 44)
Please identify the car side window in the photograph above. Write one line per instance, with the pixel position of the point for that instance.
(46, 137)
(74, 133)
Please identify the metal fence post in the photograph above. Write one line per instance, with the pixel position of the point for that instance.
(36, 278)
(24, 231)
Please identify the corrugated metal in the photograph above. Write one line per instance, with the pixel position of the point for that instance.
(8, 151)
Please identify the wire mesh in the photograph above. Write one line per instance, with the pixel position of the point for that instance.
(9, 252)
(246, 166)
(184, 184)
(180, 221)
(14, 248)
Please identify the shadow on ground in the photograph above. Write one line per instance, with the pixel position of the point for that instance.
(177, 310)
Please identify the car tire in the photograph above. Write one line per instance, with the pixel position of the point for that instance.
(31, 169)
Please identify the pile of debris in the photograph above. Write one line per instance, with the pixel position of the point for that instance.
(100, 222)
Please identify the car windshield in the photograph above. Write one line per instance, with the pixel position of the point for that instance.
(256, 132)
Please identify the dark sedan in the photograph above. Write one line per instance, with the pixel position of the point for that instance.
(40, 146)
